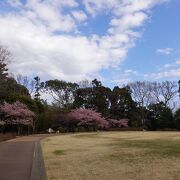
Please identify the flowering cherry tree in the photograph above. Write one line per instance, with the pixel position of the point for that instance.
(91, 118)
(2, 123)
(16, 114)
(87, 118)
(122, 123)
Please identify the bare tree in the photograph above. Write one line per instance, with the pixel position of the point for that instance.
(165, 92)
(27, 82)
(146, 93)
(141, 93)
(156, 92)
(169, 91)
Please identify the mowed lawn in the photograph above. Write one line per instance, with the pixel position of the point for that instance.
(113, 156)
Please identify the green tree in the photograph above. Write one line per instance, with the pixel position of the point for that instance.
(96, 97)
(177, 119)
(4, 59)
(101, 99)
(122, 105)
(62, 92)
(159, 117)
(38, 86)
(83, 98)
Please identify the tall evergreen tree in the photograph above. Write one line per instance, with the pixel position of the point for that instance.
(159, 117)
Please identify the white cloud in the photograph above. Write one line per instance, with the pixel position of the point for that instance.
(55, 3)
(42, 36)
(178, 61)
(129, 21)
(166, 51)
(15, 3)
(119, 7)
(79, 15)
(58, 56)
(49, 13)
(170, 71)
(125, 77)
(133, 6)
(95, 7)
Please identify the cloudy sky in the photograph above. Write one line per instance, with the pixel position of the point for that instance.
(116, 41)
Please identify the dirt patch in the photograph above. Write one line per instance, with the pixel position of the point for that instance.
(7, 136)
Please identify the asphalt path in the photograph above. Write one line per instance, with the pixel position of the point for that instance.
(17, 158)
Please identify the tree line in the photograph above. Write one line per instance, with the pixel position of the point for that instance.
(87, 105)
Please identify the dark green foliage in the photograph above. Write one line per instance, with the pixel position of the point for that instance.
(4, 58)
(83, 98)
(159, 117)
(47, 118)
(3, 71)
(38, 87)
(100, 97)
(10, 89)
(177, 119)
(101, 100)
(8, 85)
(122, 105)
(115, 104)
(96, 83)
(96, 97)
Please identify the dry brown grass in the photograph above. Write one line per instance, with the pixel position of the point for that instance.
(113, 156)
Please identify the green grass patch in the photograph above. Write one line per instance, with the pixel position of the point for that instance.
(148, 148)
(90, 135)
(59, 152)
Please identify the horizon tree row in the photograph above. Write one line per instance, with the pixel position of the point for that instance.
(134, 101)
(145, 104)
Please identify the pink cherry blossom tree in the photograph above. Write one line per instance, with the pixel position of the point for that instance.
(88, 118)
(2, 123)
(16, 114)
(122, 123)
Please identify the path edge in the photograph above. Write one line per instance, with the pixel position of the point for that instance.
(38, 171)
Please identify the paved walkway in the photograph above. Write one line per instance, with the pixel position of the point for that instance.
(16, 158)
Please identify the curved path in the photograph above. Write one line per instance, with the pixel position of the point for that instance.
(18, 159)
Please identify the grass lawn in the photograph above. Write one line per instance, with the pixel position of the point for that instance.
(113, 156)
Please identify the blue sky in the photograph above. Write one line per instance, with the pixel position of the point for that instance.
(116, 41)
(160, 32)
